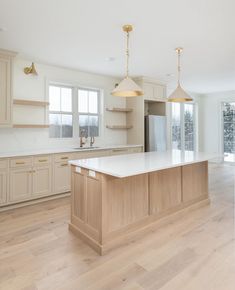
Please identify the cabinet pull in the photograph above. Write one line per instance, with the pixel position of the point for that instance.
(64, 158)
(64, 164)
(20, 162)
(120, 150)
(42, 160)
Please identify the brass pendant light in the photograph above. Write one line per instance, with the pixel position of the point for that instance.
(179, 95)
(127, 87)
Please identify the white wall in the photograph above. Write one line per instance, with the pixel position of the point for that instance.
(211, 117)
(36, 88)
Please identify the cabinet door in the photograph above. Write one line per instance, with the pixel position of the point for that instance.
(3, 187)
(148, 91)
(42, 180)
(5, 91)
(159, 92)
(20, 184)
(62, 177)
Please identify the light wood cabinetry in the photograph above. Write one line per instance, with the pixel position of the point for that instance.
(3, 187)
(165, 190)
(42, 179)
(107, 211)
(6, 58)
(62, 177)
(32, 177)
(195, 181)
(20, 184)
(154, 100)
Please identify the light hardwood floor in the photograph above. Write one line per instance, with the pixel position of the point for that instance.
(195, 252)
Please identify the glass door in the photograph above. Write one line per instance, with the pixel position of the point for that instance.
(183, 126)
(228, 115)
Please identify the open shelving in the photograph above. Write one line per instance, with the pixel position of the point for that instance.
(30, 103)
(119, 110)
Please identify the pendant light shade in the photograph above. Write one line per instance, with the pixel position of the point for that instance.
(127, 87)
(179, 95)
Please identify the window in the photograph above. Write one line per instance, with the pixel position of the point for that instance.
(60, 112)
(228, 110)
(183, 126)
(88, 111)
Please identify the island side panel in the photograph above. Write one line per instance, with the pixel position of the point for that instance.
(195, 182)
(86, 205)
(165, 190)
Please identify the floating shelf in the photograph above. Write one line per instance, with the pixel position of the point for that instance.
(119, 127)
(30, 103)
(30, 126)
(119, 110)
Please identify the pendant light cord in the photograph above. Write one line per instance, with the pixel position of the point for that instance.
(179, 69)
(127, 54)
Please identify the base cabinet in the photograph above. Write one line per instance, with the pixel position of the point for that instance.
(3, 188)
(20, 184)
(62, 177)
(26, 178)
(42, 181)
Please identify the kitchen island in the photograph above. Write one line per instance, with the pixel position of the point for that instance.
(115, 198)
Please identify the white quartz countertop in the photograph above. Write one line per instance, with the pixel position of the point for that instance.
(139, 163)
(75, 148)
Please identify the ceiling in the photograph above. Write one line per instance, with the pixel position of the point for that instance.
(87, 35)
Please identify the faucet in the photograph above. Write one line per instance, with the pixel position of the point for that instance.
(81, 137)
(92, 140)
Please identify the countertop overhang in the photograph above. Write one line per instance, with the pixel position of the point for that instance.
(134, 164)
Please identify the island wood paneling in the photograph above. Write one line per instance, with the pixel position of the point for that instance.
(194, 181)
(107, 211)
(165, 189)
(127, 200)
(79, 203)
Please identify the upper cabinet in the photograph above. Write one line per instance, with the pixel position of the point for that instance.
(6, 59)
(153, 90)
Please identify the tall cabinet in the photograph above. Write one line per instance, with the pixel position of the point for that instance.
(6, 60)
(154, 100)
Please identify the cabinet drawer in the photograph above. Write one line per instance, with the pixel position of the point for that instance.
(119, 151)
(19, 162)
(43, 159)
(63, 157)
(3, 164)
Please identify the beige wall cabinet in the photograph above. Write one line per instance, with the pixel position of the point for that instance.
(20, 184)
(6, 58)
(3, 187)
(42, 178)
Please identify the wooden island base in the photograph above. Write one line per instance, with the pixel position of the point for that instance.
(107, 211)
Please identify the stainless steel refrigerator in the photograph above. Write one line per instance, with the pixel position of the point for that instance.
(155, 133)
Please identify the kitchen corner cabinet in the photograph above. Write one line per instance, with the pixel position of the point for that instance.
(6, 59)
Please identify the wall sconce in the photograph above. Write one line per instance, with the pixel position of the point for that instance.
(30, 70)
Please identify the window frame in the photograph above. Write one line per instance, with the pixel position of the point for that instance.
(75, 114)
(61, 112)
(87, 113)
(182, 125)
